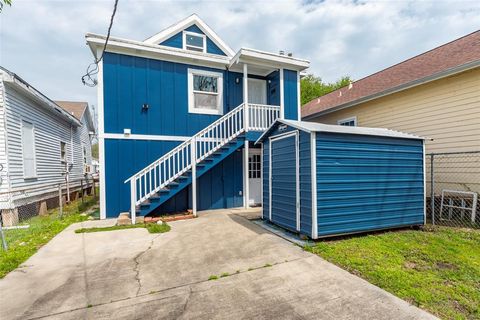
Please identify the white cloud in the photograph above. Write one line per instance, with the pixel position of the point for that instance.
(43, 41)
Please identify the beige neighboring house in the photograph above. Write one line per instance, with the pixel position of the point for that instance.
(435, 94)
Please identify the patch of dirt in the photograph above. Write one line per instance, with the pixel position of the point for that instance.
(446, 266)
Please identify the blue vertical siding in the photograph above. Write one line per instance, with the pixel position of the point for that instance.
(305, 183)
(273, 88)
(176, 41)
(290, 94)
(284, 182)
(132, 81)
(218, 188)
(367, 183)
(265, 180)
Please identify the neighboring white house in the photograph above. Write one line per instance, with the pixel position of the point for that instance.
(42, 144)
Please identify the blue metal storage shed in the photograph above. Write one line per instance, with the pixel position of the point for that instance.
(324, 180)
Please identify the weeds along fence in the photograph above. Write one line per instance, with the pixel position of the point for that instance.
(20, 206)
(453, 188)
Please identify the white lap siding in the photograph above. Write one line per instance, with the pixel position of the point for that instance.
(3, 153)
(49, 131)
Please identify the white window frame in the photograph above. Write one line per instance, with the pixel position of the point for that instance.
(204, 37)
(35, 175)
(191, 98)
(354, 119)
(65, 159)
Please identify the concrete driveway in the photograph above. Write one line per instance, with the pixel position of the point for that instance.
(131, 274)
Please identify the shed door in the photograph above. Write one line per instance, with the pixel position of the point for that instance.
(284, 180)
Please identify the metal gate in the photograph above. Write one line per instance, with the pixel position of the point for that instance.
(284, 181)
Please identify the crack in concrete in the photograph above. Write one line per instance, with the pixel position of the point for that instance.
(136, 268)
(184, 309)
(162, 290)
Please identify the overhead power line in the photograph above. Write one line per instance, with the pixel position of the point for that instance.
(88, 78)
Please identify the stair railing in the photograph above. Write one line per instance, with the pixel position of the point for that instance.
(163, 171)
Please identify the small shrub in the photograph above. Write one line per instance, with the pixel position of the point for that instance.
(213, 277)
(225, 274)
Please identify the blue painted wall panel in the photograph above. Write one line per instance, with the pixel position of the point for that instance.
(368, 182)
(218, 188)
(290, 94)
(284, 182)
(265, 180)
(175, 41)
(305, 175)
(132, 81)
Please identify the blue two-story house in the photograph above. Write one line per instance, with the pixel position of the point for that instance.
(178, 116)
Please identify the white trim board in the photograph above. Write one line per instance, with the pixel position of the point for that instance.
(122, 136)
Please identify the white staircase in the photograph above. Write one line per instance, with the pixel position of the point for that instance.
(165, 171)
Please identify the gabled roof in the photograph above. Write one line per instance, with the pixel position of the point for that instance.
(78, 109)
(73, 107)
(185, 23)
(454, 57)
(15, 81)
(320, 127)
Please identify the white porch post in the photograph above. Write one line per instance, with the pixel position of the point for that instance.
(193, 159)
(133, 199)
(246, 191)
(245, 97)
(282, 103)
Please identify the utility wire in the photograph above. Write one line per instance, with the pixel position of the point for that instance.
(92, 69)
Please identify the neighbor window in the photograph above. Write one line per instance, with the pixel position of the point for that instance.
(84, 155)
(63, 151)
(205, 92)
(194, 41)
(28, 150)
(349, 122)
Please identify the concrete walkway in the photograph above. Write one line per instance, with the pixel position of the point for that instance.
(131, 274)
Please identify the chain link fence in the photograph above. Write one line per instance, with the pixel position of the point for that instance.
(29, 203)
(453, 188)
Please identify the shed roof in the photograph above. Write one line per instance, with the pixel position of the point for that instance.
(454, 57)
(320, 127)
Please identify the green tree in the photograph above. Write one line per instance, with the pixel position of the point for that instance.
(95, 150)
(4, 2)
(312, 87)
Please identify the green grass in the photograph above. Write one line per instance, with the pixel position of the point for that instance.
(437, 269)
(151, 227)
(23, 243)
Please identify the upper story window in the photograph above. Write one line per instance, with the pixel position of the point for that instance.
(194, 41)
(205, 92)
(349, 122)
(28, 150)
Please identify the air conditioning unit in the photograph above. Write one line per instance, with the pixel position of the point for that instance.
(87, 168)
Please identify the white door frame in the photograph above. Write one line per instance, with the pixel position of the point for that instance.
(297, 172)
(252, 152)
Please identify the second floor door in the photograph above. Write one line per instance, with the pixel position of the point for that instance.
(257, 91)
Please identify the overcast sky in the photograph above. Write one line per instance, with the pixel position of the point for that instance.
(43, 41)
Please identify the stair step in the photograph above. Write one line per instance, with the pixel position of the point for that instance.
(164, 190)
(183, 177)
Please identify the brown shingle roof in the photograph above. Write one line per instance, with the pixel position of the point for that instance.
(453, 54)
(73, 107)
